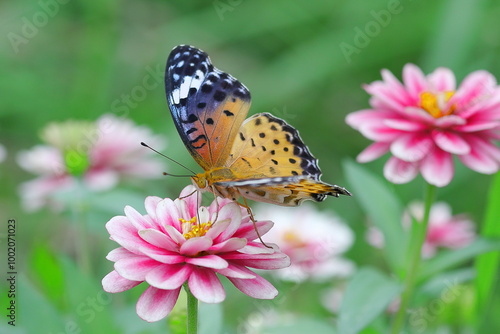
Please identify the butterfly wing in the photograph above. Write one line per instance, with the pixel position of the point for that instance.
(208, 106)
(272, 164)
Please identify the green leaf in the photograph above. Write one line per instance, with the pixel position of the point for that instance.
(452, 258)
(487, 264)
(368, 294)
(445, 281)
(383, 208)
(90, 304)
(36, 314)
(48, 271)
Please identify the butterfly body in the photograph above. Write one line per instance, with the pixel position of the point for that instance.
(261, 158)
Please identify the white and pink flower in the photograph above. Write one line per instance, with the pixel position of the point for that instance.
(99, 152)
(177, 242)
(426, 120)
(444, 229)
(314, 240)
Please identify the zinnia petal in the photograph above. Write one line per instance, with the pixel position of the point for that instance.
(450, 142)
(158, 239)
(256, 287)
(208, 261)
(474, 85)
(135, 268)
(114, 282)
(119, 253)
(150, 204)
(483, 158)
(414, 80)
(373, 151)
(442, 80)
(168, 214)
(412, 147)
(192, 198)
(399, 171)
(169, 276)
(249, 230)
(237, 271)
(206, 286)
(123, 232)
(437, 168)
(195, 245)
(155, 304)
(231, 211)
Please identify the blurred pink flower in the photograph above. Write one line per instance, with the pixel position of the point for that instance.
(427, 119)
(100, 152)
(312, 239)
(443, 231)
(168, 247)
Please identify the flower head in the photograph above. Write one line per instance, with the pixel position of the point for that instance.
(426, 120)
(98, 152)
(313, 240)
(443, 231)
(178, 242)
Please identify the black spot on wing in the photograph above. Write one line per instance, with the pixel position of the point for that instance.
(308, 162)
(190, 131)
(219, 96)
(199, 142)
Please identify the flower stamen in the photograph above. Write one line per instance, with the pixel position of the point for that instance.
(192, 229)
(436, 104)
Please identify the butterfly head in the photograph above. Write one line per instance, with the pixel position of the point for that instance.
(200, 181)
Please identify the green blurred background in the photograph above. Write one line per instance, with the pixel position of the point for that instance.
(78, 59)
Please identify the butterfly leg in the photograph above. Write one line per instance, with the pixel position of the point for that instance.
(188, 194)
(249, 210)
(217, 205)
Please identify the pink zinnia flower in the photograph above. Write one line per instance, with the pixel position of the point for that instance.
(314, 240)
(99, 152)
(177, 242)
(444, 229)
(426, 120)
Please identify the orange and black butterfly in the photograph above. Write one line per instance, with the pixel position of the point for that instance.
(261, 158)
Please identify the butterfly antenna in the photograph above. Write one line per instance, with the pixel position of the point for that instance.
(176, 175)
(163, 155)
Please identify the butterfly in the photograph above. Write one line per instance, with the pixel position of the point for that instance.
(261, 158)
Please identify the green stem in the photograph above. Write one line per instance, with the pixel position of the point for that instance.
(192, 312)
(418, 239)
(79, 219)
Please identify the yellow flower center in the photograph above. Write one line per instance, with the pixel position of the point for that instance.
(436, 104)
(293, 238)
(191, 228)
